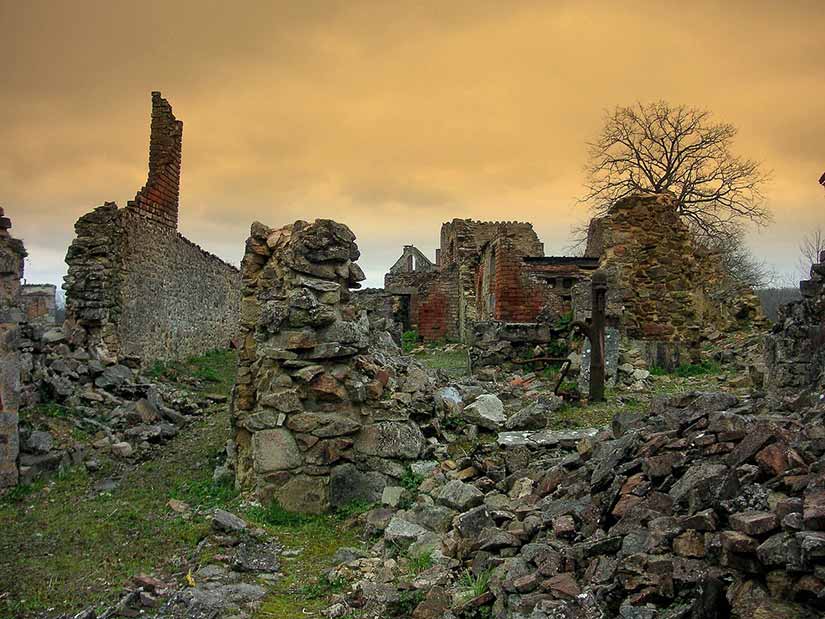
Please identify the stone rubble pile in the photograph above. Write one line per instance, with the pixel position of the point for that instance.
(114, 408)
(695, 508)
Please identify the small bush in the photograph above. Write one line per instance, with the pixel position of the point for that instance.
(409, 339)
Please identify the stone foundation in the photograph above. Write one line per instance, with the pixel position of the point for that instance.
(318, 421)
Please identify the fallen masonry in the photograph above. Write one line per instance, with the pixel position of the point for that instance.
(696, 508)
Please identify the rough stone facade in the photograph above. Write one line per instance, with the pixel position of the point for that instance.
(12, 254)
(795, 350)
(318, 421)
(135, 286)
(39, 303)
(662, 286)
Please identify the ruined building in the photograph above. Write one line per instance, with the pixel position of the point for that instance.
(12, 254)
(493, 278)
(483, 271)
(319, 422)
(663, 285)
(39, 303)
(135, 286)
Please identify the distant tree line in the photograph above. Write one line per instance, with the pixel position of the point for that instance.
(772, 298)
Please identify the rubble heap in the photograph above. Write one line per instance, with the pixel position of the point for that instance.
(696, 508)
(795, 350)
(318, 421)
(114, 409)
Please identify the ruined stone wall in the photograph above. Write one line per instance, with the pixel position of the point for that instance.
(316, 421)
(795, 350)
(39, 303)
(514, 288)
(135, 286)
(665, 288)
(12, 254)
(434, 301)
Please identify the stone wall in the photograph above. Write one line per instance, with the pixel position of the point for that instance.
(318, 421)
(135, 286)
(795, 350)
(12, 254)
(662, 285)
(39, 303)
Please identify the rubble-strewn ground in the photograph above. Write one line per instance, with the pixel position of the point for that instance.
(151, 536)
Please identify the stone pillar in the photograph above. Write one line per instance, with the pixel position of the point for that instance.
(313, 426)
(12, 254)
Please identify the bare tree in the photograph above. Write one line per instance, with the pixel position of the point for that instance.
(660, 147)
(810, 247)
(743, 268)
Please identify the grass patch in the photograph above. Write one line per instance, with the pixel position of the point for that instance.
(409, 340)
(690, 370)
(65, 547)
(301, 592)
(420, 562)
(454, 362)
(475, 585)
(215, 371)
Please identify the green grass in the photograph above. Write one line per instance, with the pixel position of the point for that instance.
(690, 370)
(475, 585)
(409, 340)
(215, 371)
(65, 547)
(420, 562)
(453, 362)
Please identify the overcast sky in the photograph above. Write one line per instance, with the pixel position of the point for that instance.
(391, 117)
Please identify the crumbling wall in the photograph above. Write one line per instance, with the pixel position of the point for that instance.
(317, 422)
(39, 303)
(662, 286)
(158, 199)
(514, 288)
(795, 350)
(135, 286)
(12, 254)
(445, 302)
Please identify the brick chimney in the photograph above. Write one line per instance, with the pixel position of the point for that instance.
(158, 200)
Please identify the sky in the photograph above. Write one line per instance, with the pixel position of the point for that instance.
(391, 117)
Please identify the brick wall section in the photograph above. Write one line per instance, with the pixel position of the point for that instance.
(158, 199)
(12, 254)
